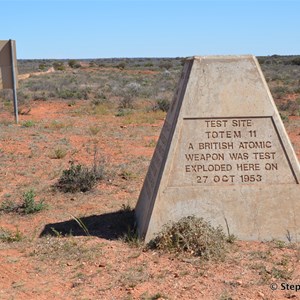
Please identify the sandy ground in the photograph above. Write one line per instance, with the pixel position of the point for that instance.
(102, 265)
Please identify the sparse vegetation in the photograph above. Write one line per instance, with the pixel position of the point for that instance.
(162, 104)
(59, 66)
(74, 93)
(121, 65)
(151, 143)
(128, 95)
(193, 236)
(96, 250)
(58, 153)
(132, 238)
(9, 206)
(28, 123)
(127, 175)
(225, 296)
(74, 64)
(8, 236)
(94, 130)
(29, 205)
(80, 178)
(81, 225)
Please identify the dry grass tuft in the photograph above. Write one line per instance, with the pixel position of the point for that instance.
(193, 236)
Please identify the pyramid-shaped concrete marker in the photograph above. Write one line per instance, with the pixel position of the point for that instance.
(224, 155)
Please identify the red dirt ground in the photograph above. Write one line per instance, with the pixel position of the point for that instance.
(95, 267)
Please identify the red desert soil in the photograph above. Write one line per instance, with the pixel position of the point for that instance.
(103, 266)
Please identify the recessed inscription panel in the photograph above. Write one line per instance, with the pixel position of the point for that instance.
(230, 151)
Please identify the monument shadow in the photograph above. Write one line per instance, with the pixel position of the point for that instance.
(110, 226)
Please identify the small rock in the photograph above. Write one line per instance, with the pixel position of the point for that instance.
(290, 296)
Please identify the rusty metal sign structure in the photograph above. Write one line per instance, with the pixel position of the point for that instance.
(8, 70)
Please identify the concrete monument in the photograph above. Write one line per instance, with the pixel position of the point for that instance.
(224, 155)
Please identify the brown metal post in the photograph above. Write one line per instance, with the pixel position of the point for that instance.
(14, 80)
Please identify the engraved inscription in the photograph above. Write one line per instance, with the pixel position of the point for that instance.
(226, 151)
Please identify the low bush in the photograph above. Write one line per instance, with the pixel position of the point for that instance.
(123, 112)
(193, 236)
(73, 94)
(29, 205)
(128, 95)
(296, 61)
(8, 206)
(166, 65)
(121, 65)
(58, 153)
(292, 107)
(162, 104)
(74, 64)
(28, 123)
(79, 178)
(279, 91)
(9, 236)
(59, 66)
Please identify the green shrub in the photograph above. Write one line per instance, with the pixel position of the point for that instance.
(126, 222)
(28, 123)
(296, 61)
(39, 96)
(73, 94)
(166, 65)
(148, 65)
(284, 117)
(292, 107)
(29, 205)
(128, 94)
(279, 91)
(121, 65)
(74, 64)
(80, 178)
(8, 206)
(193, 236)
(162, 104)
(127, 175)
(59, 66)
(100, 96)
(58, 153)
(23, 97)
(123, 112)
(42, 66)
(92, 64)
(93, 130)
(9, 237)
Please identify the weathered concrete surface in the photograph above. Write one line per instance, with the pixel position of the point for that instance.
(224, 155)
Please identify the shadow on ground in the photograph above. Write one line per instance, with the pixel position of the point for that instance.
(109, 226)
